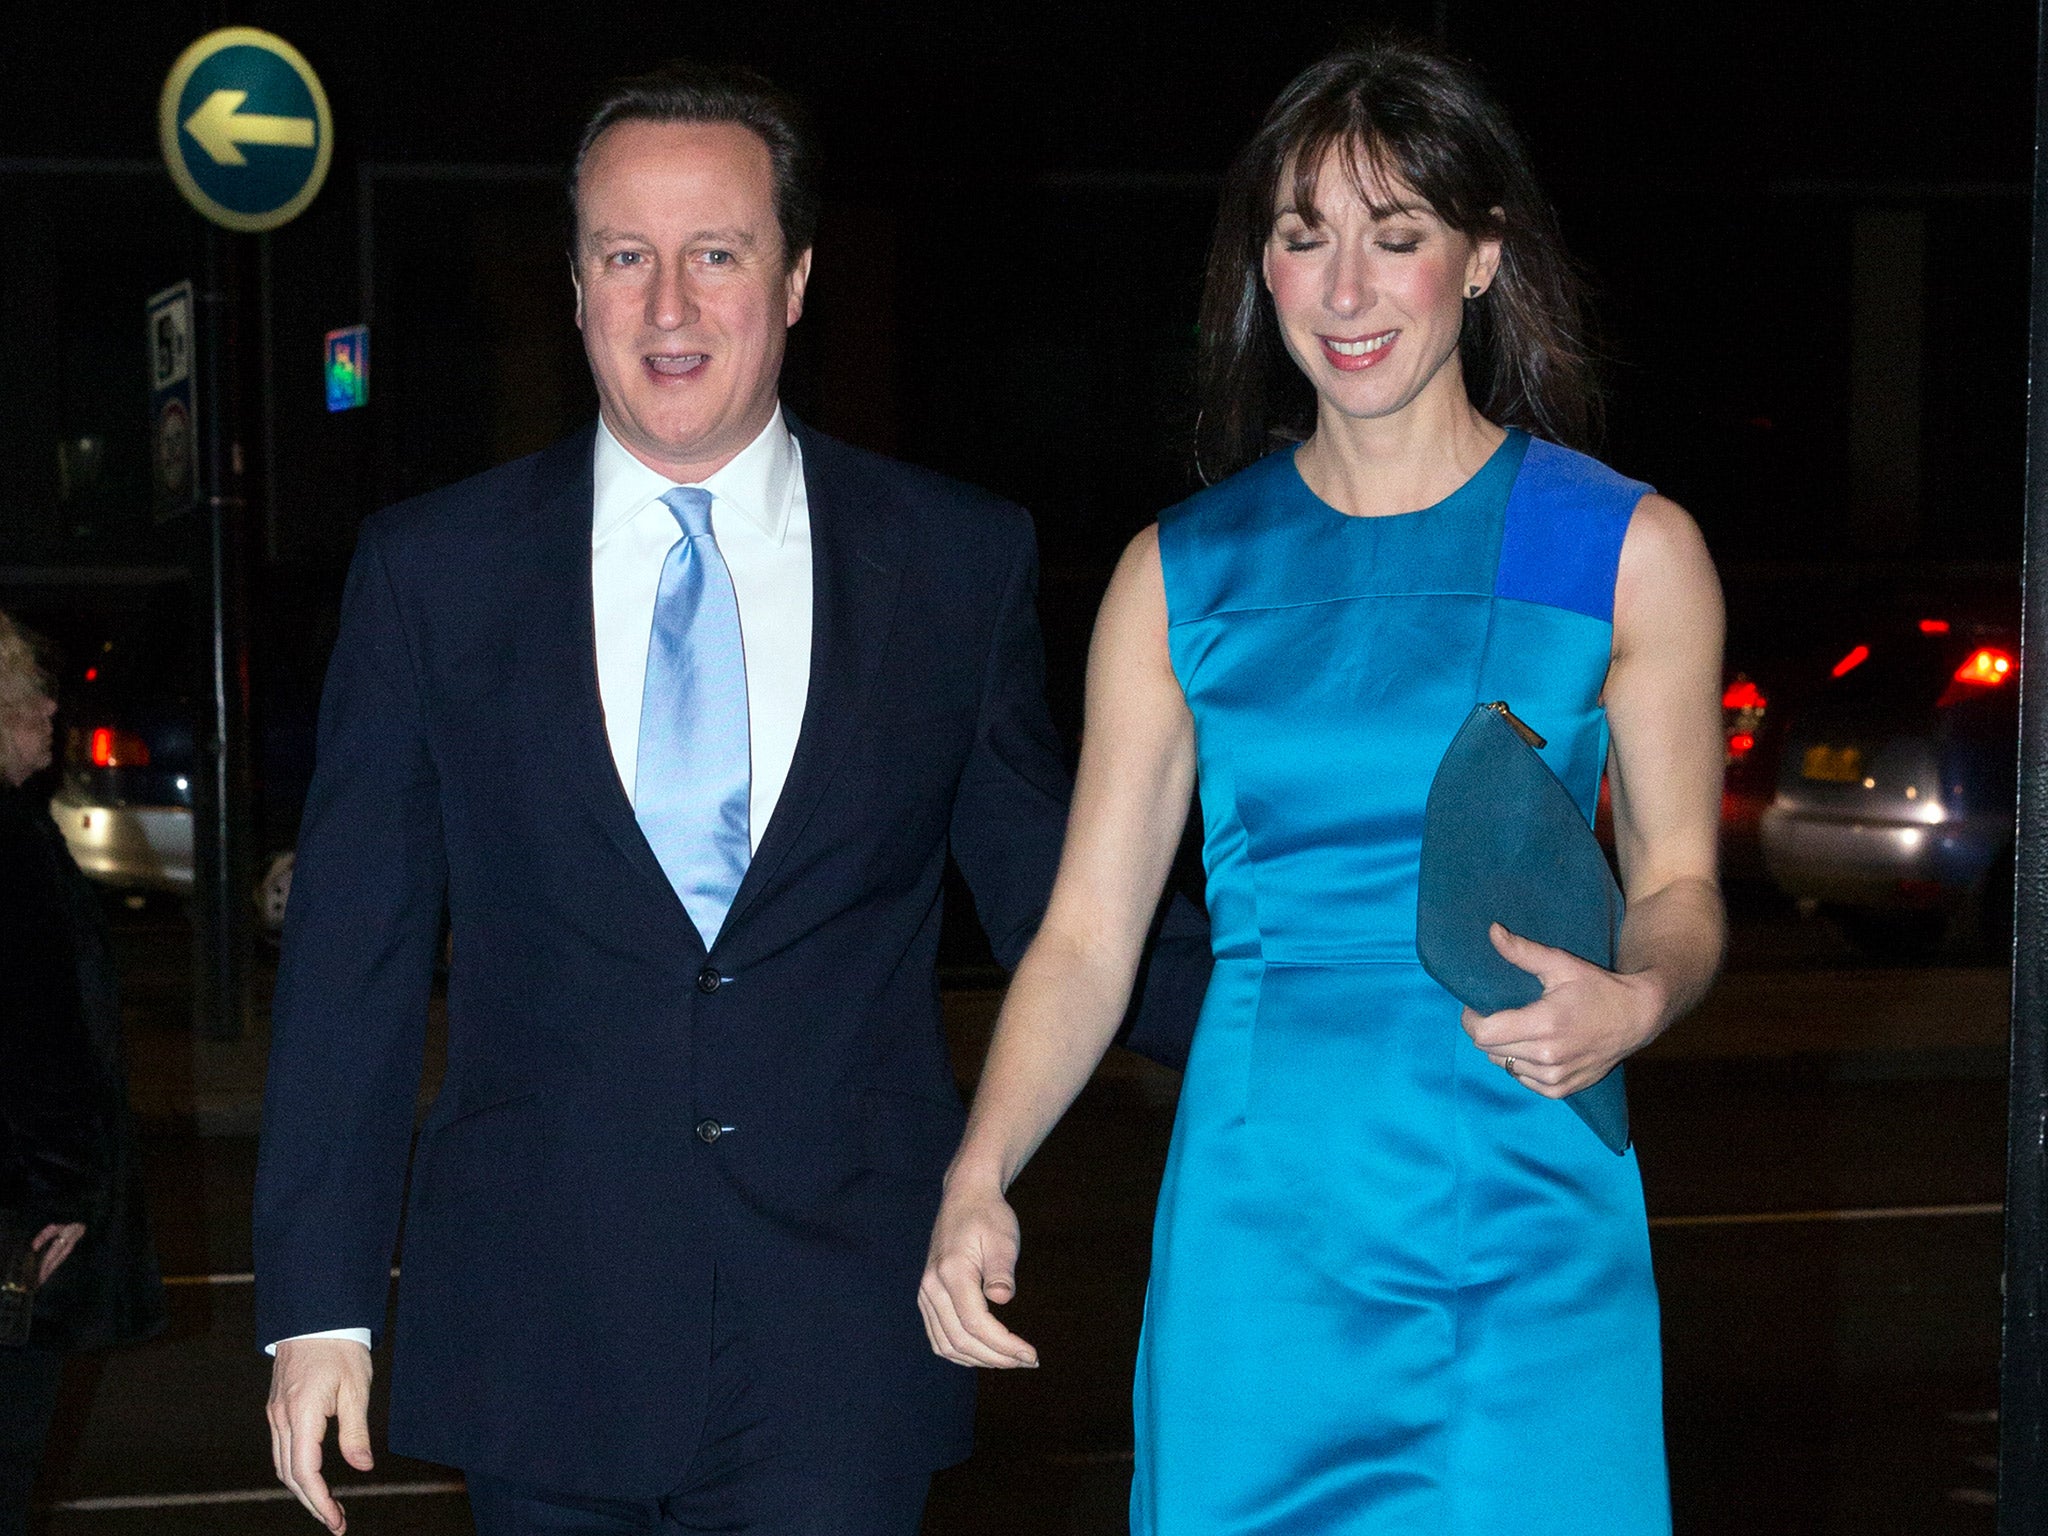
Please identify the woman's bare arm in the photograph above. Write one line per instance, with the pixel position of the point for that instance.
(1130, 802)
(1665, 769)
(1664, 780)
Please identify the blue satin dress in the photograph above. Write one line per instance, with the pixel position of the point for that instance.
(1394, 1292)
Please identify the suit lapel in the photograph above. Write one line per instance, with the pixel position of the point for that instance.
(564, 625)
(856, 568)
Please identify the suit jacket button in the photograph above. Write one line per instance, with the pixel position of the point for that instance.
(709, 1131)
(709, 981)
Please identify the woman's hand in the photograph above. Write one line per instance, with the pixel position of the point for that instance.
(972, 1262)
(55, 1243)
(1586, 1022)
(1664, 778)
(1130, 804)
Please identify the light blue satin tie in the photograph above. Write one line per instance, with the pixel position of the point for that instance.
(690, 793)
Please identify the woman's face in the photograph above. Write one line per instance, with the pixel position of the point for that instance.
(26, 739)
(1370, 305)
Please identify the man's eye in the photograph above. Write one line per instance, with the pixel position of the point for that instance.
(718, 258)
(624, 258)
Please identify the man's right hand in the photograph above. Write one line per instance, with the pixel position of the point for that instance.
(312, 1381)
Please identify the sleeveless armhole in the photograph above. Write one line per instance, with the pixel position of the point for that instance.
(1562, 532)
(1173, 540)
(1202, 540)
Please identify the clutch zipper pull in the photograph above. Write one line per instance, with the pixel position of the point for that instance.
(1519, 726)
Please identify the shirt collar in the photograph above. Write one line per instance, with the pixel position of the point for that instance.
(755, 483)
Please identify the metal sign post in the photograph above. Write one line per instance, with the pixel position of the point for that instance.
(2023, 1379)
(247, 137)
(223, 807)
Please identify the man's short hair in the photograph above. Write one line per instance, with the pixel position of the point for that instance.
(684, 91)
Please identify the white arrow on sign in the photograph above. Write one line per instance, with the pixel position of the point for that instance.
(220, 124)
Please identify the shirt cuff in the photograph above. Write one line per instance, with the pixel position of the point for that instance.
(360, 1335)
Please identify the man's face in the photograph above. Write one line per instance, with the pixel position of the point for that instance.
(683, 293)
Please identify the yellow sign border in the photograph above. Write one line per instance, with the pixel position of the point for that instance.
(167, 128)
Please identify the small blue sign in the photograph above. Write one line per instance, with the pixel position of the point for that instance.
(348, 368)
(245, 129)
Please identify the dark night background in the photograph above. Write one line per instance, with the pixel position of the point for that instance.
(1806, 231)
(1795, 218)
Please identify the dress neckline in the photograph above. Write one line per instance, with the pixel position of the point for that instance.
(1503, 463)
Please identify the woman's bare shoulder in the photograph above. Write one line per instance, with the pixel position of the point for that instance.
(1667, 575)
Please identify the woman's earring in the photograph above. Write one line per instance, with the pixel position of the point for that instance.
(1472, 292)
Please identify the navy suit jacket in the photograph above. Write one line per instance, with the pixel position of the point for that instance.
(569, 1203)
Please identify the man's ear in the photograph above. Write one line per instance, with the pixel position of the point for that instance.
(798, 278)
(576, 283)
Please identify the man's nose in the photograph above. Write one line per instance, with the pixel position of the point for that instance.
(670, 304)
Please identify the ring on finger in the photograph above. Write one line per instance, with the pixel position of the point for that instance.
(1509, 1064)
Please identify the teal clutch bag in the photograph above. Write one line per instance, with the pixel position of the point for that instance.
(1503, 842)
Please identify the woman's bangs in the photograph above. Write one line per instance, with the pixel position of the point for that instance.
(1372, 165)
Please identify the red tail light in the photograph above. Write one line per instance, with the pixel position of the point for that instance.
(1987, 667)
(1852, 661)
(1934, 626)
(1742, 713)
(118, 749)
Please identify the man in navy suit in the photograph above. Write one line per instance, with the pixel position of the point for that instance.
(666, 1218)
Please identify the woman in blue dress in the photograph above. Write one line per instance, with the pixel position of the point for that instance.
(1398, 1288)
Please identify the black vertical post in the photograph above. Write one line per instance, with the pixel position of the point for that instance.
(2023, 1381)
(266, 347)
(221, 799)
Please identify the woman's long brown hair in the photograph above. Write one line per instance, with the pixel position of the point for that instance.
(1409, 117)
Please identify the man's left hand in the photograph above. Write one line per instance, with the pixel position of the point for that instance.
(1586, 1022)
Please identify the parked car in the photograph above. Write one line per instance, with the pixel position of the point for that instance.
(124, 795)
(128, 674)
(1896, 785)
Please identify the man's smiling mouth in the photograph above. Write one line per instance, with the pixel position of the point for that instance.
(675, 365)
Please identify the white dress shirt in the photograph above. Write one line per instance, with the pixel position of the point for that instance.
(761, 517)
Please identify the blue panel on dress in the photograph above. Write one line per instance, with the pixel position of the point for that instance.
(1561, 539)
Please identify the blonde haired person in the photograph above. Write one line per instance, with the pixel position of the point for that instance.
(67, 1165)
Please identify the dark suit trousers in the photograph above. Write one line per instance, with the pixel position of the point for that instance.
(741, 1477)
(775, 1497)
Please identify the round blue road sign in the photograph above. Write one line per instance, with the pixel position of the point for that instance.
(245, 128)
